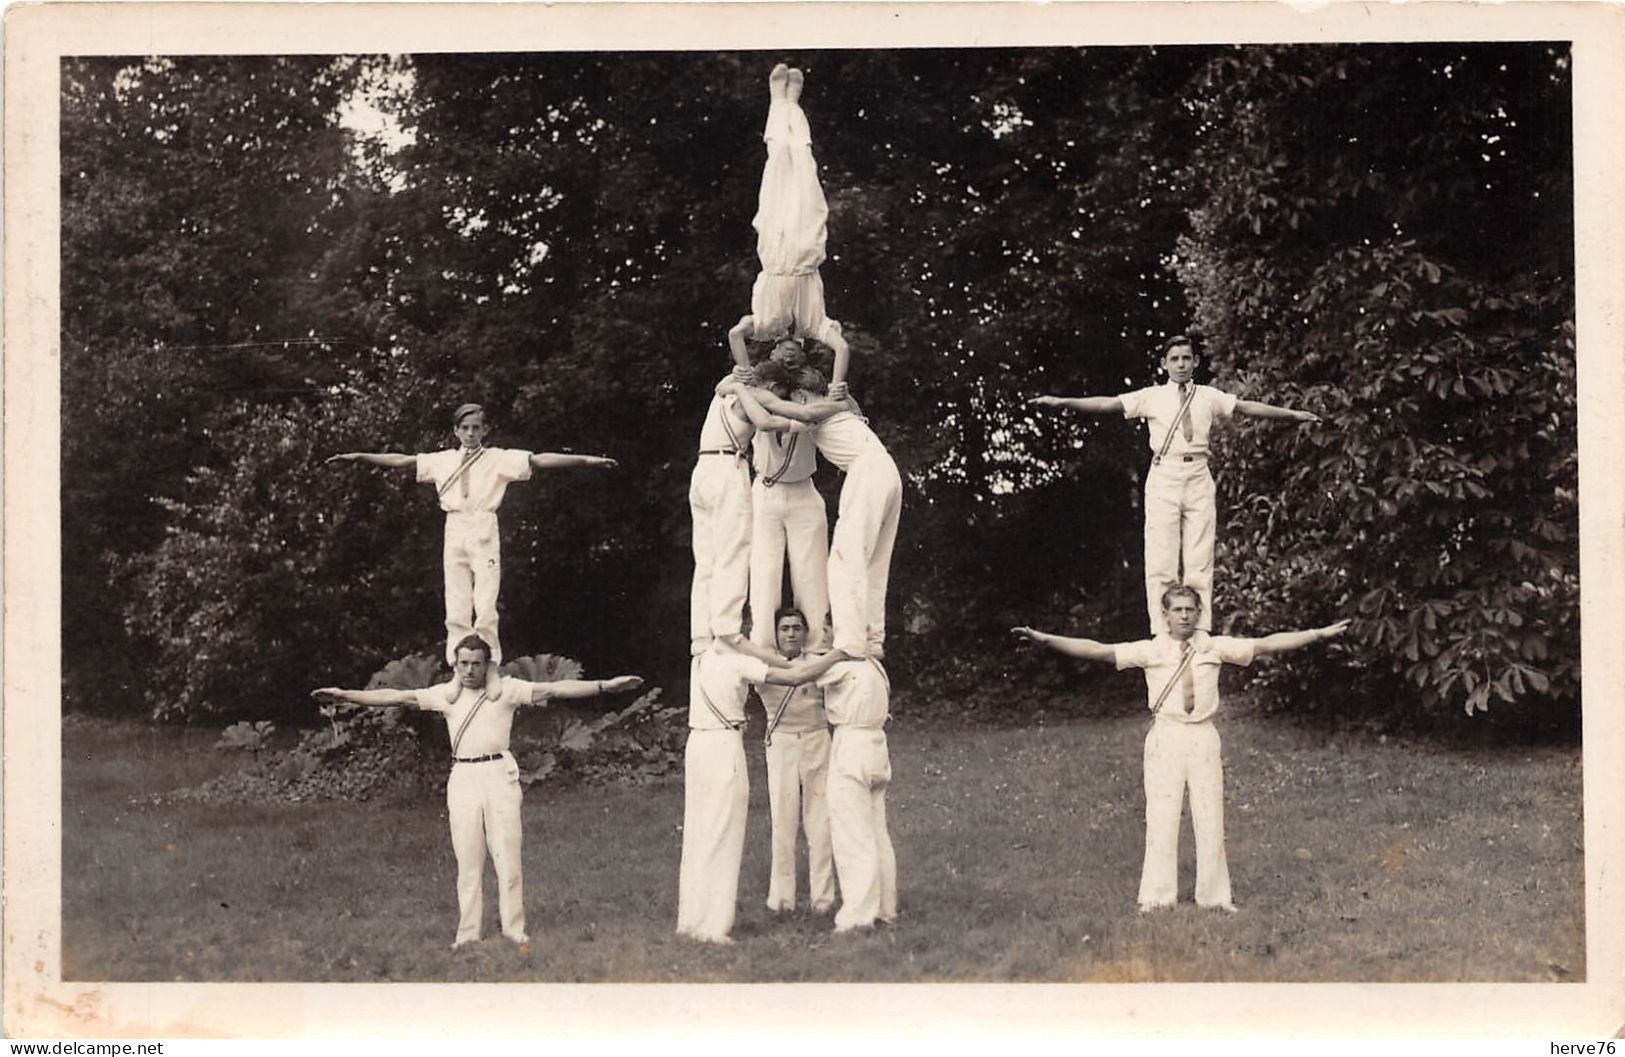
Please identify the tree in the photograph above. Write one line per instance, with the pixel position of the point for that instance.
(1385, 238)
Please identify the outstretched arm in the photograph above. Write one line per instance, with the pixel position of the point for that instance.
(578, 688)
(812, 413)
(1292, 640)
(1256, 409)
(1095, 405)
(1087, 649)
(378, 458)
(760, 416)
(367, 698)
(805, 669)
(549, 460)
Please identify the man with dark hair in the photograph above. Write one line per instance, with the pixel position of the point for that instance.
(797, 750)
(1182, 748)
(470, 481)
(483, 792)
(716, 781)
(1179, 490)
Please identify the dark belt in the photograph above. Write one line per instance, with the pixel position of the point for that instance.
(720, 451)
(1156, 460)
(476, 759)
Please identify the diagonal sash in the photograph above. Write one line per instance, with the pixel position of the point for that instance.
(457, 739)
(1184, 662)
(462, 468)
(779, 714)
(1168, 441)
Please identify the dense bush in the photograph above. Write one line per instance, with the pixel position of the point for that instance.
(362, 753)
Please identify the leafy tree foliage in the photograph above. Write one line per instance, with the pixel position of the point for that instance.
(566, 238)
(1385, 238)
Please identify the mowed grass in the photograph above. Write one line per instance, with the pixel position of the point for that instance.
(1018, 849)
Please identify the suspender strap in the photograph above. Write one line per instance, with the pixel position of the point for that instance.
(1184, 662)
(461, 730)
(739, 450)
(778, 714)
(462, 468)
(784, 465)
(1184, 408)
(700, 687)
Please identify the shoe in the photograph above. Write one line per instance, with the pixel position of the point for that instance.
(1148, 908)
(777, 82)
(792, 91)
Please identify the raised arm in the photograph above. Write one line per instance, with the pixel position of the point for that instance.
(1283, 641)
(843, 357)
(578, 688)
(736, 341)
(378, 458)
(367, 698)
(1094, 405)
(1255, 409)
(1086, 649)
(550, 460)
(805, 669)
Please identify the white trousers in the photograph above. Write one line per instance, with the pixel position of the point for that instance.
(797, 774)
(789, 520)
(716, 795)
(859, 772)
(1180, 755)
(473, 564)
(482, 801)
(860, 553)
(1179, 524)
(719, 501)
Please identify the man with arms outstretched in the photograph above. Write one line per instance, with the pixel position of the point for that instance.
(483, 791)
(1182, 747)
(1179, 491)
(470, 481)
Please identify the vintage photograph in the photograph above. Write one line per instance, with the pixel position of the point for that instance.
(1049, 513)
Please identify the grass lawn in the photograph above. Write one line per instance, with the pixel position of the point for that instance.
(1018, 855)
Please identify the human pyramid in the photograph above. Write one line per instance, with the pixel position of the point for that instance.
(816, 665)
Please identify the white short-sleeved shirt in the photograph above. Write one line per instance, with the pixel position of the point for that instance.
(803, 713)
(843, 437)
(723, 679)
(1160, 659)
(492, 724)
(488, 477)
(775, 450)
(725, 425)
(857, 694)
(1158, 404)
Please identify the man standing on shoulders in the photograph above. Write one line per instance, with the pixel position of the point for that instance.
(483, 791)
(797, 751)
(1182, 747)
(1179, 490)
